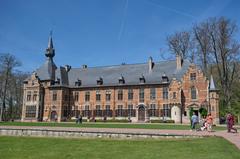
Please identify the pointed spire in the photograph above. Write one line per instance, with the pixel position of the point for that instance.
(50, 42)
(50, 51)
(212, 84)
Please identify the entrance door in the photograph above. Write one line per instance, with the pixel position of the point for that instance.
(53, 116)
(196, 112)
(141, 113)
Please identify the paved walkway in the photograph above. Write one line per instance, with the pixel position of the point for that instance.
(232, 137)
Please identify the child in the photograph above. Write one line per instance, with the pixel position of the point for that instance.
(204, 125)
(209, 122)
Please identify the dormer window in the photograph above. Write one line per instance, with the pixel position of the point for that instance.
(142, 79)
(164, 78)
(100, 81)
(121, 80)
(78, 82)
(57, 81)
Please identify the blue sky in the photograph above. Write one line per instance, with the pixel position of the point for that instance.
(100, 32)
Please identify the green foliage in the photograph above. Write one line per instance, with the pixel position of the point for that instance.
(190, 113)
(203, 112)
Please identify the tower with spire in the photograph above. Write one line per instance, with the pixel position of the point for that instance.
(213, 100)
(48, 69)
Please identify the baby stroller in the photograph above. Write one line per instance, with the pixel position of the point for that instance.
(202, 125)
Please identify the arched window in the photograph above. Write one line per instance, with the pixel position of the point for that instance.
(193, 93)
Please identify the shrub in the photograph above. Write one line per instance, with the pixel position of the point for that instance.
(203, 112)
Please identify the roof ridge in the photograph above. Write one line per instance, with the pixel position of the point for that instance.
(122, 64)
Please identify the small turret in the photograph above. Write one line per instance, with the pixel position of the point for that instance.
(212, 84)
(213, 100)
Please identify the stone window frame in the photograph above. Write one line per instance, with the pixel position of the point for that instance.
(108, 112)
(130, 94)
(174, 95)
(29, 95)
(193, 76)
(141, 94)
(98, 110)
(130, 111)
(120, 95)
(153, 93)
(76, 96)
(165, 92)
(153, 110)
(30, 111)
(120, 111)
(166, 110)
(98, 95)
(35, 96)
(108, 95)
(86, 111)
(54, 95)
(87, 96)
(193, 93)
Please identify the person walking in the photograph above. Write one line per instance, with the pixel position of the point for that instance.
(194, 121)
(230, 123)
(77, 119)
(80, 119)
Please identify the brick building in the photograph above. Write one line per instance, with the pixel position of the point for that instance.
(143, 92)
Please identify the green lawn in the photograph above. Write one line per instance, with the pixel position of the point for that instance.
(59, 148)
(108, 125)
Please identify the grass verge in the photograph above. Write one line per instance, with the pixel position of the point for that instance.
(107, 125)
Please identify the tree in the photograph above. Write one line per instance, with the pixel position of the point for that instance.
(19, 78)
(225, 51)
(202, 37)
(214, 43)
(180, 43)
(7, 64)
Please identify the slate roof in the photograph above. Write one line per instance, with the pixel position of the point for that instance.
(111, 74)
(212, 85)
(45, 71)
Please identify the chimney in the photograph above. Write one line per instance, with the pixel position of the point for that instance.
(179, 61)
(150, 64)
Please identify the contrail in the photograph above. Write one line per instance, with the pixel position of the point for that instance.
(173, 10)
(123, 20)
